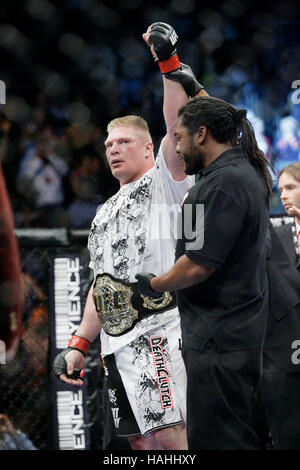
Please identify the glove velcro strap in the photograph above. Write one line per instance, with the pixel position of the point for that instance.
(170, 64)
(79, 343)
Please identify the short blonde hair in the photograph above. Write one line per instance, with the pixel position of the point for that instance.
(130, 121)
(292, 169)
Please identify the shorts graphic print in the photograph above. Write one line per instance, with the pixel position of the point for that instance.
(122, 416)
(147, 374)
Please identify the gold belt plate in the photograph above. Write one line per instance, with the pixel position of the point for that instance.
(113, 304)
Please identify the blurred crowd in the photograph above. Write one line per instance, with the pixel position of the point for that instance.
(70, 66)
(55, 177)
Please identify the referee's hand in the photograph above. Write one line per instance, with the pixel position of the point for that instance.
(144, 287)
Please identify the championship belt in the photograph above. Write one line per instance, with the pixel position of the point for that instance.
(119, 305)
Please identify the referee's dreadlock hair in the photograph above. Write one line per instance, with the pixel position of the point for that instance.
(226, 124)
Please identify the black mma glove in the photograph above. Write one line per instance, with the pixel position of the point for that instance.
(144, 287)
(164, 39)
(60, 366)
(76, 343)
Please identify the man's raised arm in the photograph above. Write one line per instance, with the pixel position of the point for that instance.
(179, 84)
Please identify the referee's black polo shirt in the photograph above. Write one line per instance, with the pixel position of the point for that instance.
(230, 306)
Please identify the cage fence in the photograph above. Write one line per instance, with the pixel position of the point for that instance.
(28, 408)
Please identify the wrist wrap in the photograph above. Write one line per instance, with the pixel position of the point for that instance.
(80, 344)
(169, 65)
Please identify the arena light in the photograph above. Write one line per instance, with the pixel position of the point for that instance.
(71, 45)
(183, 7)
(17, 110)
(40, 9)
(78, 114)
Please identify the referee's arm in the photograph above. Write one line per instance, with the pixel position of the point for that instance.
(184, 273)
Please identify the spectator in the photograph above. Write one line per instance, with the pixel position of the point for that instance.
(40, 181)
(263, 141)
(279, 387)
(85, 186)
(287, 143)
(11, 439)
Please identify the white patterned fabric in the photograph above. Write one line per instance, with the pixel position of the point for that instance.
(155, 382)
(134, 231)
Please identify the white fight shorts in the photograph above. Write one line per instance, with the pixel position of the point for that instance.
(146, 382)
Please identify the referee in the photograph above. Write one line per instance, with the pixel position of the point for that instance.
(220, 275)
